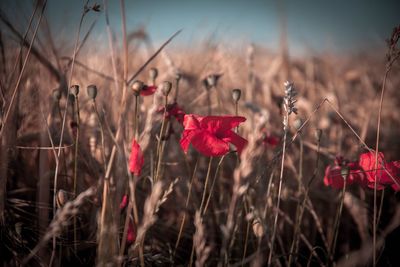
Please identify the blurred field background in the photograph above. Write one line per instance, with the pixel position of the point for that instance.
(338, 81)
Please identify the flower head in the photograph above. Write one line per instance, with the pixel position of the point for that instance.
(343, 171)
(136, 159)
(211, 135)
(383, 172)
(173, 110)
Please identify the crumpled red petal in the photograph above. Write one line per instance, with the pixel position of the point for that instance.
(238, 141)
(148, 90)
(209, 145)
(124, 202)
(191, 122)
(136, 159)
(221, 123)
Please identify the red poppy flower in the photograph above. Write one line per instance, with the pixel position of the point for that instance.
(148, 90)
(367, 162)
(334, 174)
(136, 159)
(173, 110)
(211, 135)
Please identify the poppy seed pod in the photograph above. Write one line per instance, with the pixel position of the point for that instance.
(92, 91)
(318, 134)
(71, 98)
(236, 93)
(166, 88)
(137, 86)
(153, 73)
(56, 94)
(344, 172)
(74, 90)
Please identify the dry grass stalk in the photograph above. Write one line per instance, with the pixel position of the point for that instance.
(199, 241)
(60, 220)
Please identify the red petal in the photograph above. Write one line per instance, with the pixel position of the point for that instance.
(333, 177)
(186, 138)
(221, 123)
(209, 145)
(148, 90)
(136, 159)
(238, 141)
(191, 122)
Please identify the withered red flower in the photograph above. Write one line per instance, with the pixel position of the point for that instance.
(131, 234)
(124, 202)
(173, 110)
(148, 90)
(383, 177)
(211, 135)
(270, 140)
(136, 159)
(342, 169)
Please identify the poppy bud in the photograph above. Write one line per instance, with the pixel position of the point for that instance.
(153, 73)
(92, 91)
(56, 95)
(178, 76)
(62, 198)
(258, 228)
(137, 87)
(236, 93)
(74, 90)
(166, 88)
(212, 80)
(344, 172)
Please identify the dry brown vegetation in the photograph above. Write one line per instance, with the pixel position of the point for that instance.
(336, 94)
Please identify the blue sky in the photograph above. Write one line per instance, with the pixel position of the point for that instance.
(338, 25)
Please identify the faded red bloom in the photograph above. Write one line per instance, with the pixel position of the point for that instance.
(148, 90)
(124, 202)
(173, 110)
(334, 174)
(131, 234)
(367, 162)
(211, 135)
(136, 159)
(270, 140)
